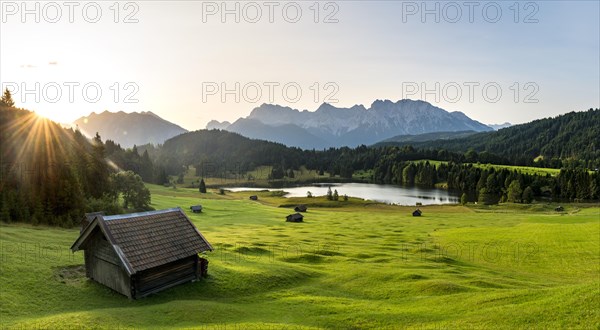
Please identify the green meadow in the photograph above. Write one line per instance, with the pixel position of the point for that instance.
(350, 265)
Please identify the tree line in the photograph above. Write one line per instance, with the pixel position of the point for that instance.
(490, 185)
(221, 154)
(52, 175)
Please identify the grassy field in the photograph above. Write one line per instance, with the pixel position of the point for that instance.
(521, 169)
(353, 266)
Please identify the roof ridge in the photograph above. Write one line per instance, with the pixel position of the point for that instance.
(139, 214)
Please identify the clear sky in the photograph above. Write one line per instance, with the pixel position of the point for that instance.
(175, 58)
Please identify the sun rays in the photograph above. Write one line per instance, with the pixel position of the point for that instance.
(34, 143)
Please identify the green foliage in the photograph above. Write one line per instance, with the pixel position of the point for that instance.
(202, 186)
(329, 194)
(130, 186)
(309, 194)
(161, 176)
(277, 193)
(528, 195)
(514, 192)
(335, 196)
(464, 199)
(7, 99)
(484, 197)
(106, 204)
(5, 212)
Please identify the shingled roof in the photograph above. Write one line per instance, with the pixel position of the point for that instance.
(147, 239)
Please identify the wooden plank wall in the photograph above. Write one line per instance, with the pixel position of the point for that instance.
(104, 266)
(166, 276)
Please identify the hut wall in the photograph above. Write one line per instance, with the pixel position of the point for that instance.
(104, 266)
(165, 276)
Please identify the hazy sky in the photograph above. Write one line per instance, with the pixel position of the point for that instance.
(175, 58)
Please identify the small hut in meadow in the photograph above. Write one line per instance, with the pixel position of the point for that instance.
(296, 217)
(417, 213)
(196, 208)
(139, 254)
(254, 197)
(301, 208)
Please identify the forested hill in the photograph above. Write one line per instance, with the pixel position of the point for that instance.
(216, 151)
(224, 149)
(52, 175)
(572, 136)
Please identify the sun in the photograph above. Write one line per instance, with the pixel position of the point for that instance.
(62, 114)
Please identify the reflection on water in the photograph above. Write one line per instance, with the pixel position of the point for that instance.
(377, 192)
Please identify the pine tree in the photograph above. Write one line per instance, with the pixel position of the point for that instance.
(329, 194)
(528, 195)
(7, 99)
(486, 198)
(5, 212)
(464, 199)
(161, 176)
(146, 168)
(514, 192)
(202, 187)
(38, 212)
(336, 196)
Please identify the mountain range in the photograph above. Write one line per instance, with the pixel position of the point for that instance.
(500, 126)
(129, 129)
(330, 126)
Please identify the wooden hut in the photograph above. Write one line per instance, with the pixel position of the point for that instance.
(142, 253)
(196, 208)
(254, 197)
(301, 208)
(296, 217)
(417, 213)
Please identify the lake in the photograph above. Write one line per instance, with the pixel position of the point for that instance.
(390, 194)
